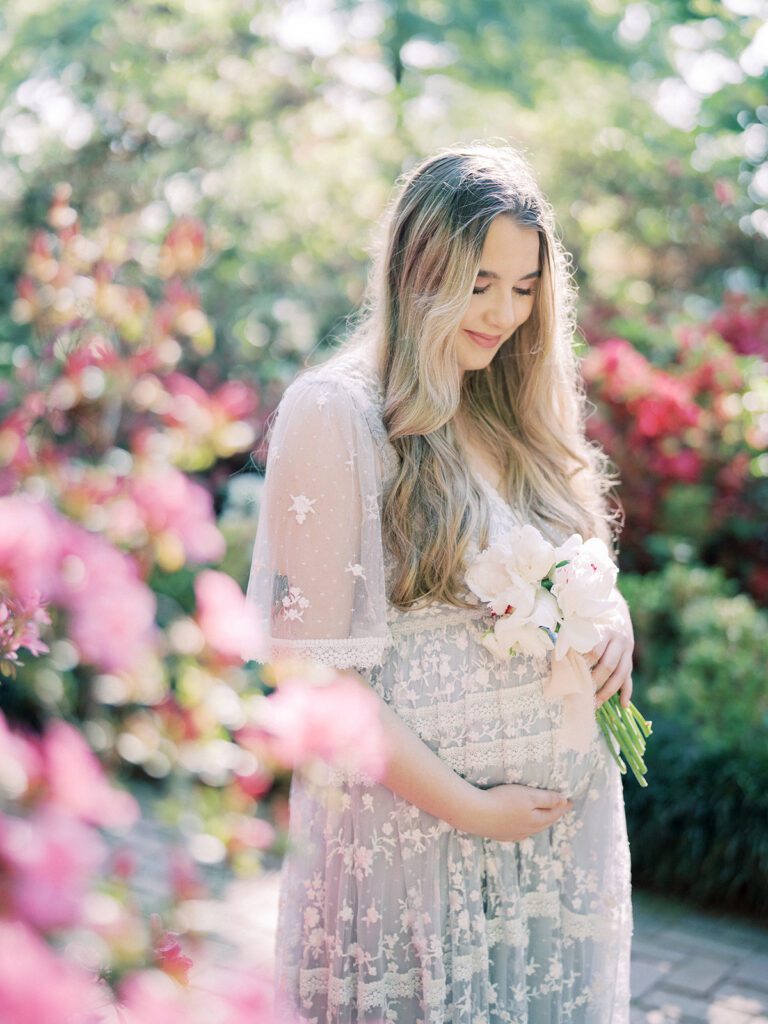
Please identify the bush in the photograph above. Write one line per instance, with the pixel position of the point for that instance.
(699, 829)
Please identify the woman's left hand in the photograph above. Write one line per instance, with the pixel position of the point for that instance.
(610, 661)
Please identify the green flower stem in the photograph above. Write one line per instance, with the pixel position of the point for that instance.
(628, 741)
(643, 723)
(623, 724)
(609, 740)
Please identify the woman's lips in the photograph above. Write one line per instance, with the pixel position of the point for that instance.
(483, 340)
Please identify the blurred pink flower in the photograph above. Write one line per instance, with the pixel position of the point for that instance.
(337, 722)
(20, 622)
(36, 985)
(171, 504)
(77, 782)
(111, 609)
(151, 997)
(226, 997)
(252, 832)
(29, 546)
(45, 556)
(21, 764)
(244, 998)
(226, 619)
(47, 862)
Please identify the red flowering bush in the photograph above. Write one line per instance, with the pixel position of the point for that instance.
(687, 438)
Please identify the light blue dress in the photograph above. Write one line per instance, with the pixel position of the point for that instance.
(387, 913)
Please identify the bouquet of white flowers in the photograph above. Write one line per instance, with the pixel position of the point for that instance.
(546, 598)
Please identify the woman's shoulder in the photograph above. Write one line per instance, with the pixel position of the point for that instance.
(346, 380)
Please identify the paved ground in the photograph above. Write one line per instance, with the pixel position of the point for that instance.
(687, 965)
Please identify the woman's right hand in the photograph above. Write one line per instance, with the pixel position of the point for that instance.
(512, 812)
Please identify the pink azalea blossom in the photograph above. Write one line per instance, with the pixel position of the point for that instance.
(111, 608)
(337, 722)
(151, 997)
(21, 764)
(77, 782)
(48, 861)
(226, 619)
(46, 557)
(172, 504)
(20, 622)
(39, 987)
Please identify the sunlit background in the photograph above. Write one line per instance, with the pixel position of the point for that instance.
(188, 192)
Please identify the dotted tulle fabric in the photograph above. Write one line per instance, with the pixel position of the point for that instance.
(386, 913)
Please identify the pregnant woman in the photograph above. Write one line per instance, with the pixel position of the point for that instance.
(486, 877)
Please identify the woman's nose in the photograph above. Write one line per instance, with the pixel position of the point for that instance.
(504, 313)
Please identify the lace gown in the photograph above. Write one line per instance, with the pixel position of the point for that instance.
(387, 913)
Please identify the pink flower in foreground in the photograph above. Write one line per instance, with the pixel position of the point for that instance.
(177, 509)
(111, 609)
(38, 987)
(77, 782)
(226, 619)
(151, 997)
(29, 546)
(20, 622)
(48, 861)
(337, 722)
(226, 997)
(20, 762)
(46, 557)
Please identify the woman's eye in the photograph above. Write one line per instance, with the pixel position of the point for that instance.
(520, 291)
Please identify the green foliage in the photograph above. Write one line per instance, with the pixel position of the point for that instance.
(701, 652)
(699, 829)
(283, 133)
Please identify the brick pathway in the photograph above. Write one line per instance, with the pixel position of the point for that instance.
(687, 965)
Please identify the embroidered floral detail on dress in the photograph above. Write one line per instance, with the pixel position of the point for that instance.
(356, 569)
(352, 452)
(294, 604)
(301, 505)
(371, 506)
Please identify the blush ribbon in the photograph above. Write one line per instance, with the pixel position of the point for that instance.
(571, 680)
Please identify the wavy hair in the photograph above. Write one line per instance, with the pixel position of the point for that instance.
(527, 408)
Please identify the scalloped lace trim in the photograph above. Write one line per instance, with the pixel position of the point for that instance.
(452, 717)
(353, 652)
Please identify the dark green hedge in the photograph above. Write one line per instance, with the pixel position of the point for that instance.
(700, 828)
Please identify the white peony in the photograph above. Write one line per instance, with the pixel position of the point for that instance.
(530, 618)
(530, 554)
(488, 575)
(515, 634)
(584, 586)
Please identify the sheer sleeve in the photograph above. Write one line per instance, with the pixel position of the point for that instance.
(317, 573)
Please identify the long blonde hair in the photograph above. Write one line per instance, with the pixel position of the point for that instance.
(527, 408)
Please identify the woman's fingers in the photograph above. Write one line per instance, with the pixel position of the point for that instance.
(620, 678)
(626, 692)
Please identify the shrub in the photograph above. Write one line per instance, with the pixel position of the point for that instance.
(699, 829)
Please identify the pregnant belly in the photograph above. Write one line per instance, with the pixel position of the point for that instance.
(487, 719)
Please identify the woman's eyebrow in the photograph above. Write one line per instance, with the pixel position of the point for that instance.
(493, 274)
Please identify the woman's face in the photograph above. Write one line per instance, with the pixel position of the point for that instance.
(504, 292)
